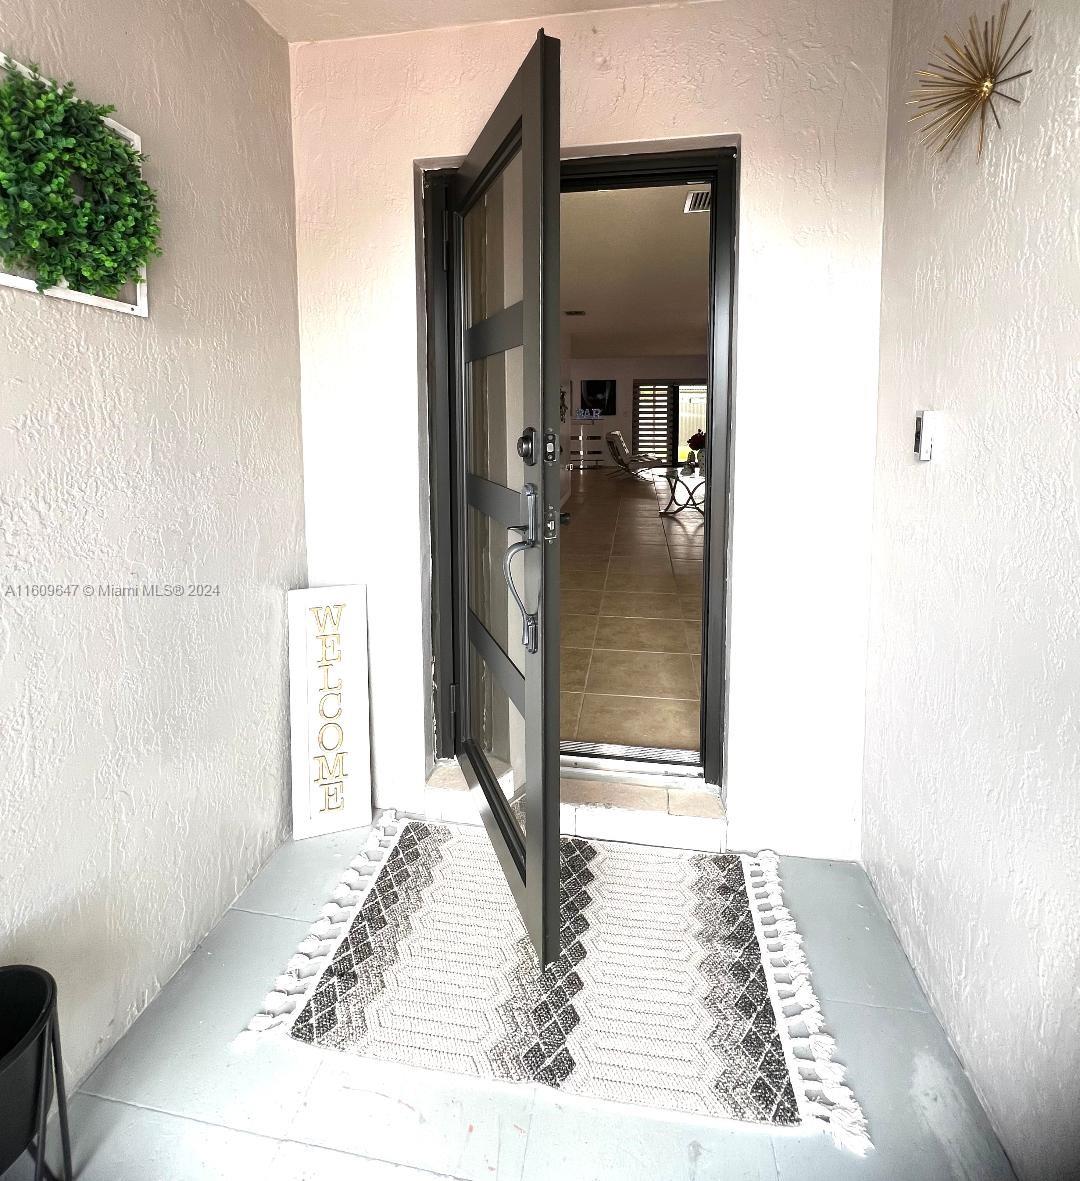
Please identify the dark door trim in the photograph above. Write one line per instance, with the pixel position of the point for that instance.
(520, 497)
(717, 167)
(438, 310)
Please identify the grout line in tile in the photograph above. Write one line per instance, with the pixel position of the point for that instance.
(646, 651)
(775, 1161)
(532, 1106)
(638, 696)
(271, 914)
(585, 685)
(827, 1001)
(181, 1115)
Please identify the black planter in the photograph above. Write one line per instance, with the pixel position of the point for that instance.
(30, 1067)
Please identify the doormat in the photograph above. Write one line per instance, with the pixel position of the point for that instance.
(681, 985)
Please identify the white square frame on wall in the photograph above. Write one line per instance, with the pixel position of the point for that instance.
(141, 306)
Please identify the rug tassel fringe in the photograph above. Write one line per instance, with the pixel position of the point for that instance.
(291, 989)
(818, 1080)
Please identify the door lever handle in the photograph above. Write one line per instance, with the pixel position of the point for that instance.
(530, 638)
(530, 534)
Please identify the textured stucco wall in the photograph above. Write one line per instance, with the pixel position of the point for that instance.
(143, 771)
(803, 84)
(972, 808)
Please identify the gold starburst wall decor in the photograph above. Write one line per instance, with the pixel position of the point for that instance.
(965, 78)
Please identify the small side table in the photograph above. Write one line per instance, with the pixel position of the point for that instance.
(694, 493)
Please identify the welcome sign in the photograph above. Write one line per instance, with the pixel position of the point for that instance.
(328, 673)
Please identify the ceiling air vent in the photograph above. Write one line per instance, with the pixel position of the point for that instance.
(699, 202)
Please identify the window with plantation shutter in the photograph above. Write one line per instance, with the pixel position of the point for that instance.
(655, 420)
(666, 413)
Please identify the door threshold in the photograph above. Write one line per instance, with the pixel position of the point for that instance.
(605, 806)
(603, 760)
(633, 754)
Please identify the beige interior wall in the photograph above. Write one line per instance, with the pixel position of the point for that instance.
(143, 768)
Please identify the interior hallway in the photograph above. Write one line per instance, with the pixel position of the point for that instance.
(631, 614)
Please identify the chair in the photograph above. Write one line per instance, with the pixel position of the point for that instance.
(629, 464)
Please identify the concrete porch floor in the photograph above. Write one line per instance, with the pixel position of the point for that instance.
(173, 1101)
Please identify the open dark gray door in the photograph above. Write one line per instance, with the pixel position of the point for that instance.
(504, 211)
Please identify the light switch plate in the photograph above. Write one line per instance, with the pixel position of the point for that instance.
(927, 433)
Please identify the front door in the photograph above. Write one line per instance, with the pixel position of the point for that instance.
(504, 240)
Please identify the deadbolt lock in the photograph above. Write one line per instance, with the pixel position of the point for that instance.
(526, 445)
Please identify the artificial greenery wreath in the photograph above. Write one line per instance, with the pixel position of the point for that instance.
(73, 202)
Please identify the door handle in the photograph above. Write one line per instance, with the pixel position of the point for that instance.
(530, 533)
(530, 639)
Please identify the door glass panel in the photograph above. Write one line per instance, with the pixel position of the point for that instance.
(496, 417)
(499, 731)
(493, 246)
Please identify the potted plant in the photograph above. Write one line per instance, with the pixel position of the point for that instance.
(696, 443)
(30, 1067)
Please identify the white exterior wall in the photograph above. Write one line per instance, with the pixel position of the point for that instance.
(803, 85)
(972, 808)
(143, 764)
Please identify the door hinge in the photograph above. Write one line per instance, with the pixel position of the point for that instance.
(446, 239)
(453, 701)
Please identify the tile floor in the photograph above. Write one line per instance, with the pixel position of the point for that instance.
(630, 615)
(176, 1101)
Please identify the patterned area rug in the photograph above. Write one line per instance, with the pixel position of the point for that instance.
(681, 984)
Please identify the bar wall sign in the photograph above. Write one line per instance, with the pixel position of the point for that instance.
(328, 674)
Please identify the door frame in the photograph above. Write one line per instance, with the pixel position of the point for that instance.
(639, 166)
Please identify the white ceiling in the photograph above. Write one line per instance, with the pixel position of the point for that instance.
(322, 20)
(639, 268)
